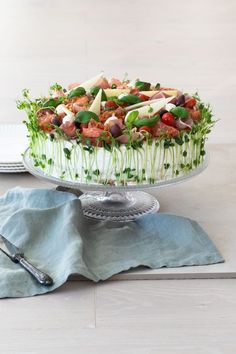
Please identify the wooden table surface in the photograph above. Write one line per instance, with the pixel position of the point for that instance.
(131, 317)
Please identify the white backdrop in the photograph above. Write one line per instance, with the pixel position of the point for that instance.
(187, 44)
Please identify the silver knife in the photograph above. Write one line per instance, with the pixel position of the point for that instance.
(17, 256)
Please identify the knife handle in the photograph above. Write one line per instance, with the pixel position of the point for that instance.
(41, 277)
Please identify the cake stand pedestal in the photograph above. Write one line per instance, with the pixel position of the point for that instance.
(118, 206)
(115, 203)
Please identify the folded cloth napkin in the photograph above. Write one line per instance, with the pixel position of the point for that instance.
(49, 227)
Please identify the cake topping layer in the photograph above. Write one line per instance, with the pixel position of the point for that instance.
(113, 111)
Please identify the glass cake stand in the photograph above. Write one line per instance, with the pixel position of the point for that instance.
(115, 203)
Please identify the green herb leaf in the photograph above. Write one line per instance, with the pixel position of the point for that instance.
(178, 140)
(179, 112)
(150, 122)
(132, 99)
(131, 117)
(186, 138)
(55, 87)
(94, 92)
(158, 86)
(107, 146)
(96, 172)
(67, 153)
(168, 143)
(78, 91)
(51, 137)
(142, 85)
(166, 166)
(104, 96)
(136, 144)
(53, 102)
(85, 116)
(88, 142)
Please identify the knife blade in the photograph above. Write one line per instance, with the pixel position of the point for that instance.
(17, 256)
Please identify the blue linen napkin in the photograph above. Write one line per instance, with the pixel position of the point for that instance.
(49, 226)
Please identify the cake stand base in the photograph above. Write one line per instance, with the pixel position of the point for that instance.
(118, 206)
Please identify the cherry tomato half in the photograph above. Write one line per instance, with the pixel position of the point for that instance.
(134, 91)
(143, 97)
(111, 104)
(168, 119)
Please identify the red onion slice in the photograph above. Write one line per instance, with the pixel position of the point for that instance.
(123, 139)
(186, 124)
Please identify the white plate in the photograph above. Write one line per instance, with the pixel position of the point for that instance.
(12, 165)
(13, 142)
(12, 171)
(12, 168)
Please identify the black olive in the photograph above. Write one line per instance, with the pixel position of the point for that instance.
(162, 111)
(56, 121)
(115, 130)
(180, 101)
